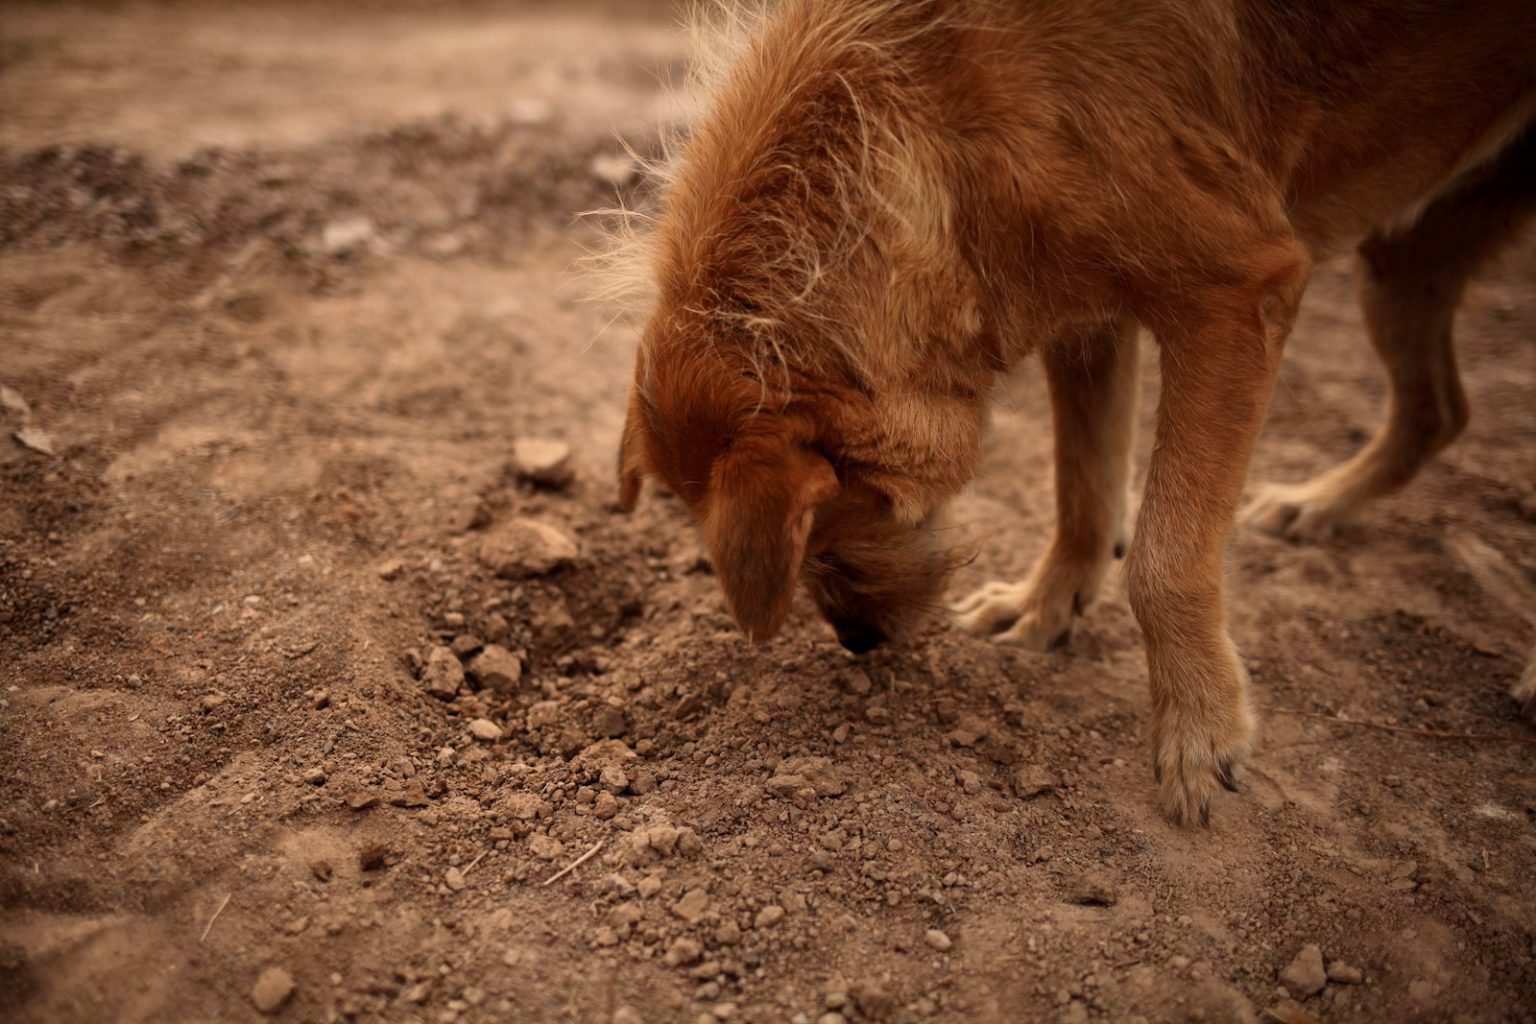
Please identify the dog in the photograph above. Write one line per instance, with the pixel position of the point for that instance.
(887, 204)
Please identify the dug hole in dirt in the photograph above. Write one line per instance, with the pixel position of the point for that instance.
(332, 686)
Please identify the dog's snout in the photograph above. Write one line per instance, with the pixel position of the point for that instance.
(858, 637)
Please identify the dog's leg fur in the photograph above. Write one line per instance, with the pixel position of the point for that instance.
(1092, 377)
(1410, 282)
(1220, 357)
(1524, 690)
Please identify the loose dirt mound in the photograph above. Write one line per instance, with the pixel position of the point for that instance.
(322, 700)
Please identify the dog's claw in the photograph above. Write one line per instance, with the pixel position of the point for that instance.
(1224, 776)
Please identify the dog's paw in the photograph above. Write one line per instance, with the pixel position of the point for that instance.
(1524, 690)
(1025, 614)
(1195, 753)
(1298, 512)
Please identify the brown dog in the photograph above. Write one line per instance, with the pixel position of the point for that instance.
(890, 202)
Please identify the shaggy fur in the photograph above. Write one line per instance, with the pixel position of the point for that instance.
(887, 203)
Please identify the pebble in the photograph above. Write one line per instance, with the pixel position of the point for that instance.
(1344, 974)
(545, 463)
(442, 675)
(693, 905)
(1031, 780)
(343, 236)
(496, 668)
(391, 569)
(937, 939)
(605, 806)
(1304, 976)
(314, 776)
(769, 916)
(683, 951)
(627, 1015)
(526, 547)
(1093, 888)
(613, 779)
(272, 990)
(485, 729)
(610, 722)
(873, 999)
(454, 879)
(545, 847)
(465, 645)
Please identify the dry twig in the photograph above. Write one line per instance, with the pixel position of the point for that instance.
(1433, 734)
(573, 865)
(215, 917)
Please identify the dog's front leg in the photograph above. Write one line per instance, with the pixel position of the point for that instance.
(1220, 356)
(1092, 377)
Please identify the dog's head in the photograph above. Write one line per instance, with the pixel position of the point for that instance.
(778, 498)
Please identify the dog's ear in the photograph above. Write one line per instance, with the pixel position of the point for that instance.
(763, 498)
(631, 457)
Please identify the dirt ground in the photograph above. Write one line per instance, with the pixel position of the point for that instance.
(280, 287)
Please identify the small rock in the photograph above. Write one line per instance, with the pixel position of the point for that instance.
(213, 700)
(969, 781)
(523, 806)
(937, 939)
(683, 951)
(362, 801)
(454, 879)
(391, 569)
(769, 916)
(728, 934)
(610, 722)
(465, 645)
(1344, 974)
(321, 869)
(545, 847)
(343, 236)
(627, 1015)
(442, 675)
(485, 729)
(526, 547)
(1092, 888)
(496, 668)
(873, 999)
(546, 463)
(692, 906)
(605, 806)
(314, 776)
(1304, 976)
(613, 779)
(1031, 780)
(272, 990)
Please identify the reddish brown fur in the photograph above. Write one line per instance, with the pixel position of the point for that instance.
(889, 203)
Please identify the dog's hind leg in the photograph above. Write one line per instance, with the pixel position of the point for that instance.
(1092, 377)
(1409, 283)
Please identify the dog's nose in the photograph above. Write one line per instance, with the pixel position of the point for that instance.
(858, 638)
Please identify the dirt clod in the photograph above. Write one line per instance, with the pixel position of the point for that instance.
(543, 462)
(272, 990)
(1304, 976)
(496, 668)
(442, 674)
(1095, 889)
(520, 548)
